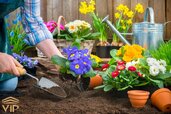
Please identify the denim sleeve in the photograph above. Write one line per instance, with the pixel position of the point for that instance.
(33, 24)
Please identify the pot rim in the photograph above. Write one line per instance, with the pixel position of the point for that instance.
(159, 91)
(138, 92)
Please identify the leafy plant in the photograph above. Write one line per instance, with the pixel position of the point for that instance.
(98, 26)
(129, 68)
(76, 32)
(77, 64)
(16, 35)
(163, 52)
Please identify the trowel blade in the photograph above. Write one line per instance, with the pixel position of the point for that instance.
(46, 83)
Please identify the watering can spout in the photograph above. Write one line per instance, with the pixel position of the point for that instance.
(115, 30)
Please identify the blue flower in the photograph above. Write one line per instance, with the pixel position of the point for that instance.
(16, 56)
(12, 33)
(86, 64)
(70, 50)
(84, 53)
(77, 67)
(12, 47)
(74, 56)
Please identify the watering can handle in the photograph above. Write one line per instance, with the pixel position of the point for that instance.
(150, 11)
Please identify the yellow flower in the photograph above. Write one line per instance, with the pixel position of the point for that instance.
(125, 9)
(117, 15)
(129, 22)
(123, 27)
(139, 8)
(130, 14)
(122, 21)
(120, 7)
(97, 59)
(119, 53)
(87, 7)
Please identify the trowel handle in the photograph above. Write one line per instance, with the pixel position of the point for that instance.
(21, 70)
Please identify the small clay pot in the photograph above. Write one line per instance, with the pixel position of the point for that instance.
(95, 81)
(138, 98)
(161, 98)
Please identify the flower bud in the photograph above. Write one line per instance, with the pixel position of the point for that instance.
(105, 66)
(132, 68)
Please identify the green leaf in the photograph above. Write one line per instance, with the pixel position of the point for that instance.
(59, 60)
(91, 73)
(164, 76)
(113, 53)
(108, 88)
(99, 87)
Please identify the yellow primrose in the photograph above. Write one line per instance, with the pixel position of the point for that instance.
(129, 21)
(97, 59)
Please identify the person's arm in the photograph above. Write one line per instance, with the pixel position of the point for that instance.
(37, 32)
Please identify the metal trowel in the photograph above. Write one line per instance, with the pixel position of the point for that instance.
(46, 85)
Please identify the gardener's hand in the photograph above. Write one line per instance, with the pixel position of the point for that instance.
(8, 64)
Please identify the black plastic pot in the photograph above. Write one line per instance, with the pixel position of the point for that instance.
(104, 51)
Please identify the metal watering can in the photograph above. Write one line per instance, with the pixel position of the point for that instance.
(147, 34)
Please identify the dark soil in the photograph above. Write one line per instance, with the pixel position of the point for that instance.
(35, 101)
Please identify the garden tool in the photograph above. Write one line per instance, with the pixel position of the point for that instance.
(147, 34)
(46, 85)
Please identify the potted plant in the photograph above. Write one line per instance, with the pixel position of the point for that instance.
(103, 47)
(123, 21)
(131, 67)
(163, 52)
(76, 66)
(75, 33)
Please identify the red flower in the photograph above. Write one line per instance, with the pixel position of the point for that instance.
(120, 62)
(105, 66)
(132, 68)
(115, 73)
(120, 67)
(139, 74)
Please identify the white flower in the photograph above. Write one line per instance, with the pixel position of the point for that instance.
(154, 70)
(162, 62)
(72, 28)
(162, 69)
(132, 63)
(151, 61)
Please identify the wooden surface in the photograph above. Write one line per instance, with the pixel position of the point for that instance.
(52, 9)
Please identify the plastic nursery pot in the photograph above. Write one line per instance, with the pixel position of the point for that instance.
(161, 98)
(138, 98)
(95, 81)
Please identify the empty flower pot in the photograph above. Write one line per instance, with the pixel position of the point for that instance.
(161, 98)
(138, 98)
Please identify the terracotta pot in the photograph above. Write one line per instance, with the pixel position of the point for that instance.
(161, 98)
(138, 98)
(95, 81)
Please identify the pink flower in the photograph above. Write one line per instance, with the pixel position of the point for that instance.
(51, 25)
(120, 67)
(115, 73)
(62, 27)
(132, 68)
(120, 62)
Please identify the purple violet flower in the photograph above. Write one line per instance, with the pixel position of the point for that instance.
(77, 67)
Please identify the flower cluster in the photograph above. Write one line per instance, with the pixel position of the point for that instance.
(138, 71)
(124, 17)
(130, 52)
(98, 26)
(25, 61)
(77, 63)
(80, 62)
(76, 32)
